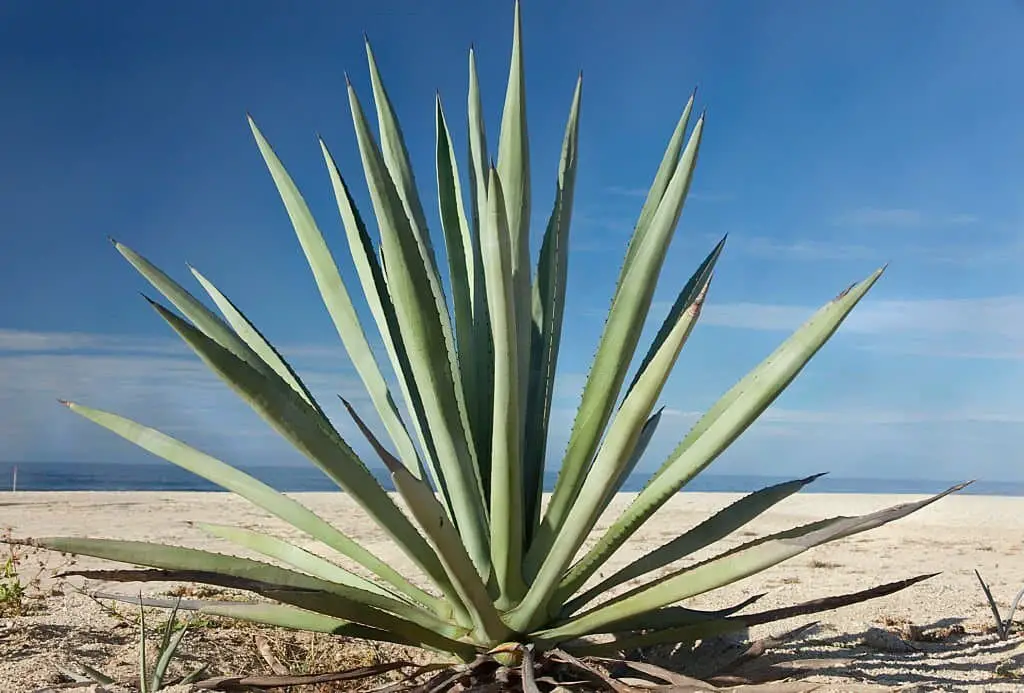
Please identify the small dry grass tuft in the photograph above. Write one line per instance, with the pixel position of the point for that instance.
(22, 569)
(817, 563)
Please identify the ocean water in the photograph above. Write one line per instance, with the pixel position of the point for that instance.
(81, 476)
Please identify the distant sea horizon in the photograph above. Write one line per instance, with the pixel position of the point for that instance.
(111, 476)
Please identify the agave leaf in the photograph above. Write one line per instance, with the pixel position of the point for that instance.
(505, 454)
(730, 567)
(293, 419)
(814, 606)
(438, 635)
(616, 449)
(646, 433)
(715, 528)
(292, 555)
(167, 650)
(622, 330)
(673, 616)
(478, 157)
(683, 301)
(436, 524)
(143, 679)
(255, 339)
(666, 170)
(421, 324)
(463, 256)
(371, 276)
(201, 316)
(193, 676)
(259, 494)
(338, 303)
(459, 246)
(396, 161)
(160, 603)
(91, 675)
(285, 616)
(514, 173)
(168, 627)
(722, 424)
(176, 563)
(420, 635)
(480, 417)
(548, 311)
(281, 615)
(667, 628)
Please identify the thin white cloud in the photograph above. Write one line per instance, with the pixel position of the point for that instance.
(880, 217)
(899, 218)
(959, 328)
(868, 416)
(998, 315)
(28, 341)
(751, 316)
(626, 192)
(963, 219)
(862, 441)
(932, 253)
(154, 381)
(802, 250)
(694, 195)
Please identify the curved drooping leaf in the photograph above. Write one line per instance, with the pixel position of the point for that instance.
(285, 616)
(254, 576)
(259, 494)
(266, 613)
(283, 409)
(425, 633)
(290, 554)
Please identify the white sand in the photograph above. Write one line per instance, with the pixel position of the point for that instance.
(954, 536)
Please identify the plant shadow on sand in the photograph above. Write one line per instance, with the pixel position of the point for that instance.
(941, 656)
(23, 640)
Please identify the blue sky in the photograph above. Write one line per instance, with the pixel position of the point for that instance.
(840, 136)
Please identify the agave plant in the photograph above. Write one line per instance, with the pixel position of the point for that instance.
(474, 359)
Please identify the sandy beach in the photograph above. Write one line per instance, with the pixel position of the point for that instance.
(955, 536)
